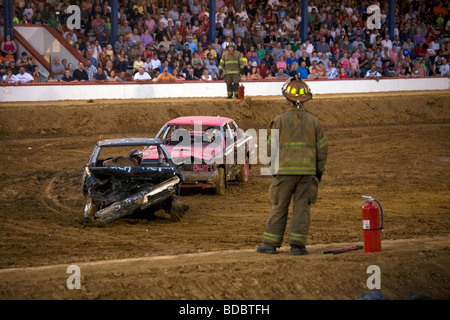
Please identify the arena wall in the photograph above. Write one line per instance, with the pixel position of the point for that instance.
(189, 89)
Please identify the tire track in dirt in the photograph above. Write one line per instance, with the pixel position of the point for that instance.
(51, 202)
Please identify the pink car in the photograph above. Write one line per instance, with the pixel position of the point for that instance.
(210, 150)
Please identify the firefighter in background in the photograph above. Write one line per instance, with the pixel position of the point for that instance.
(231, 65)
(302, 154)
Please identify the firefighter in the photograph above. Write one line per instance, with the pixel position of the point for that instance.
(302, 150)
(231, 65)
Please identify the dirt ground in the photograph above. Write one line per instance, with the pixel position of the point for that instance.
(393, 147)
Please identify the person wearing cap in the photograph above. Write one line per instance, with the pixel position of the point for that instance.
(299, 151)
(210, 65)
(165, 75)
(231, 65)
(191, 44)
(254, 58)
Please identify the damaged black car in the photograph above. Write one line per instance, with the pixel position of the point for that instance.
(125, 176)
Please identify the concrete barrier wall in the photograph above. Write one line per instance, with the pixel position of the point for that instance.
(189, 89)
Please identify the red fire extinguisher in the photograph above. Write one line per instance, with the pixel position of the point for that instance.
(373, 224)
(241, 92)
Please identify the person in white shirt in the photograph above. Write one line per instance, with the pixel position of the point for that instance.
(141, 75)
(386, 42)
(23, 76)
(373, 36)
(273, 3)
(312, 6)
(28, 11)
(410, 15)
(165, 19)
(206, 76)
(155, 63)
(373, 73)
(444, 69)
(147, 64)
(242, 14)
(9, 77)
(220, 17)
(291, 26)
(308, 47)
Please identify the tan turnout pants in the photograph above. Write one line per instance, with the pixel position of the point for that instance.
(232, 81)
(303, 190)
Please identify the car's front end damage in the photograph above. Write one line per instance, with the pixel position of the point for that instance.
(112, 192)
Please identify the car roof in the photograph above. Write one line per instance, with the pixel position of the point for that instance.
(205, 120)
(128, 142)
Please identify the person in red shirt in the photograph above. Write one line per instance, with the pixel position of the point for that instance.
(269, 17)
(420, 50)
(343, 74)
(263, 69)
(334, 47)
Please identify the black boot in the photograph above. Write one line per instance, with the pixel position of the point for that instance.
(265, 248)
(298, 250)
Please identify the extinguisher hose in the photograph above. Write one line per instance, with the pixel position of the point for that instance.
(382, 214)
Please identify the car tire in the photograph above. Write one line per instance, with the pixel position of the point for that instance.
(176, 209)
(243, 172)
(220, 185)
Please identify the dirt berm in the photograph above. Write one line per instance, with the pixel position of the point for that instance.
(393, 147)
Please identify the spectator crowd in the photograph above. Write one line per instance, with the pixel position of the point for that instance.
(169, 40)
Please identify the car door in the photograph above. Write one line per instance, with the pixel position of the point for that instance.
(241, 143)
(230, 148)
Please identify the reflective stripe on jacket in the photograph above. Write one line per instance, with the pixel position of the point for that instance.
(302, 145)
(231, 62)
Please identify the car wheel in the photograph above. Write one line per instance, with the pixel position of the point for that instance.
(176, 209)
(220, 185)
(242, 175)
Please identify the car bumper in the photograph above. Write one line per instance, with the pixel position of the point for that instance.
(207, 179)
